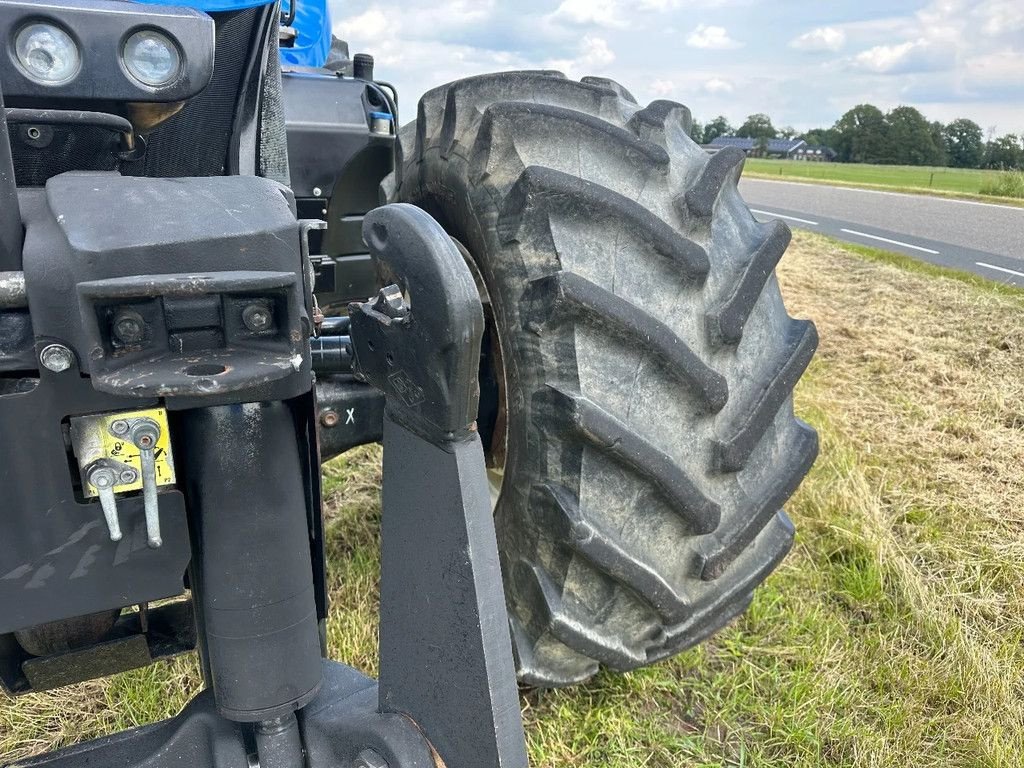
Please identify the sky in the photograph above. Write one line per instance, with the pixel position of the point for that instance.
(802, 63)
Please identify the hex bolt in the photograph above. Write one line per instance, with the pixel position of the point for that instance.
(103, 479)
(119, 427)
(128, 476)
(257, 317)
(128, 327)
(56, 358)
(144, 434)
(330, 418)
(370, 758)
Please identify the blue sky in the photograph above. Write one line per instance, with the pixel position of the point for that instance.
(802, 63)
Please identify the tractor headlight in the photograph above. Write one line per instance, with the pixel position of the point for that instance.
(46, 53)
(151, 58)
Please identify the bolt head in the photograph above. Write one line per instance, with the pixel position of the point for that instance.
(370, 758)
(145, 434)
(56, 358)
(129, 476)
(129, 327)
(330, 418)
(257, 317)
(102, 477)
(119, 427)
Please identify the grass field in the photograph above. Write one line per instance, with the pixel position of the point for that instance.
(891, 636)
(966, 181)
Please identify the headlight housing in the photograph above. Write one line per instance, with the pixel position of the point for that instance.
(151, 58)
(46, 53)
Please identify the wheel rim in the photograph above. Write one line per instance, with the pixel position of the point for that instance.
(495, 433)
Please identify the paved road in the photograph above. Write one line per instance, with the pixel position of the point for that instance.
(982, 238)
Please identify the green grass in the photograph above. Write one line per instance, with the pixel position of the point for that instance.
(1006, 184)
(969, 183)
(891, 635)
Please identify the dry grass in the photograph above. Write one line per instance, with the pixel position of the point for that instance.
(890, 637)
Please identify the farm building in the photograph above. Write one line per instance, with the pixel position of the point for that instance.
(789, 149)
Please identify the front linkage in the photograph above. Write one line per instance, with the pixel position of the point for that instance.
(171, 426)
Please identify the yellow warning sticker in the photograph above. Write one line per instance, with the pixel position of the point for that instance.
(108, 436)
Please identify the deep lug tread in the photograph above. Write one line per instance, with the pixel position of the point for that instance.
(610, 85)
(599, 429)
(466, 100)
(734, 587)
(526, 115)
(658, 113)
(562, 624)
(544, 191)
(577, 593)
(746, 430)
(573, 667)
(735, 535)
(604, 549)
(722, 167)
(575, 295)
(726, 323)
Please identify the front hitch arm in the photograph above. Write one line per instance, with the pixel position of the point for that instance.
(445, 651)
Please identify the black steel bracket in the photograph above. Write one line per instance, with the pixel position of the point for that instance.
(424, 352)
(445, 651)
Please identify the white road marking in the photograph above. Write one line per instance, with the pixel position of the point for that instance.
(891, 242)
(1000, 269)
(783, 216)
(940, 198)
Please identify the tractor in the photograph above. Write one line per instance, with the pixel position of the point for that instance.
(224, 260)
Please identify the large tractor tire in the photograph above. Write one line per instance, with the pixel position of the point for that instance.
(644, 361)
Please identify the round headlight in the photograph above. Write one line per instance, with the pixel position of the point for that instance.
(47, 54)
(151, 58)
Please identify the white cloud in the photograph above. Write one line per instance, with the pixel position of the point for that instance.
(593, 55)
(919, 55)
(717, 85)
(368, 25)
(711, 38)
(819, 39)
(661, 87)
(1000, 17)
(600, 13)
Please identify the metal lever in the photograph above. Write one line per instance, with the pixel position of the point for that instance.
(144, 434)
(103, 478)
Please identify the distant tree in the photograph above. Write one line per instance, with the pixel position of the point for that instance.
(717, 127)
(788, 132)
(696, 131)
(964, 145)
(910, 139)
(757, 126)
(860, 135)
(1005, 153)
(820, 137)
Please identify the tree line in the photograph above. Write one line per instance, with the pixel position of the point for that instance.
(901, 136)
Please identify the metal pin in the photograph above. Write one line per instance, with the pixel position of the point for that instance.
(103, 479)
(144, 434)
